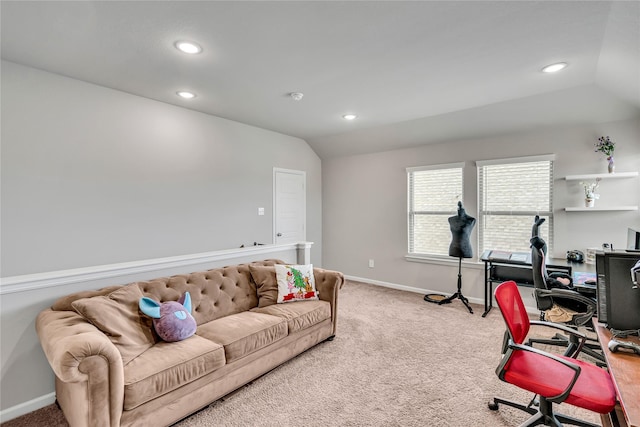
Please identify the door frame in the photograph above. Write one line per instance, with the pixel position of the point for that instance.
(304, 201)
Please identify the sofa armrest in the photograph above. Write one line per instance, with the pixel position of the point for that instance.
(88, 368)
(328, 283)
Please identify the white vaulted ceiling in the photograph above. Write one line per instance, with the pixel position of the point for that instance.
(414, 72)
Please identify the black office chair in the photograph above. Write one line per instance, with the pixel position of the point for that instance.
(550, 290)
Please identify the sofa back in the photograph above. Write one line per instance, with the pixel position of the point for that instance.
(214, 293)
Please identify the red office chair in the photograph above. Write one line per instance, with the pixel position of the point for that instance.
(554, 378)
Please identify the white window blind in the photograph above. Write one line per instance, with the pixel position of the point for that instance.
(433, 195)
(512, 192)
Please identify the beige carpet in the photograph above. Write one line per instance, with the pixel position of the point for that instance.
(396, 361)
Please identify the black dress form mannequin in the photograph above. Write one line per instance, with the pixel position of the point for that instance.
(461, 226)
(460, 247)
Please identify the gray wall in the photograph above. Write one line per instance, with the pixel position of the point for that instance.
(95, 176)
(365, 201)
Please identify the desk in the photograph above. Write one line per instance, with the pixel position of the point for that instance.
(625, 372)
(500, 270)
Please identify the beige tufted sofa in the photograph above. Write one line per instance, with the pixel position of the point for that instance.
(126, 376)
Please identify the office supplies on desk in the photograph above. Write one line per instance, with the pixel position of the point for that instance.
(575, 256)
(584, 278)
(506, 256)
(616, 345)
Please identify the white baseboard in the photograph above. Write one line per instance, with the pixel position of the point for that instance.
(530, 310)
(26, 407)
(405, 288)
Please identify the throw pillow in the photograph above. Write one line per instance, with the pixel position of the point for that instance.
(266, 284)
(117, 315)
(295, 283)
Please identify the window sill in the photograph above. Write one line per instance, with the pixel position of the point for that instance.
(441, 260)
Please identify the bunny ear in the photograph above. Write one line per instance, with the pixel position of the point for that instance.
(185, 300)
(149, 307)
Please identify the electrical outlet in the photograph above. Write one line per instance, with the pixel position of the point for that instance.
(260, 211)
(371, 263)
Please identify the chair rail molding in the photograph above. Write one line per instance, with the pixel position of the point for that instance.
(300, 254)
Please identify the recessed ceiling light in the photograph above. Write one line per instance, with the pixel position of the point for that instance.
(186, 95)
(188, 47)
(296, 96)
(554, 67)
(349, 117)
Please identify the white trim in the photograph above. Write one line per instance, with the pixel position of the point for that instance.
(601, 176)
(65, 277)
(304, 200)
(410, 194)
(601, 208)
(436, 167)
(26, 407)
(528, 159)
(480, 301)
(404, 287)
(448, 261)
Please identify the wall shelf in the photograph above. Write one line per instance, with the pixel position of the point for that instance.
(601, 209)
(602, 176)
(594, 176)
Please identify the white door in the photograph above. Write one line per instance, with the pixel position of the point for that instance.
(289, 206)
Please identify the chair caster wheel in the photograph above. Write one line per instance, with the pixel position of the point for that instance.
(493, 406)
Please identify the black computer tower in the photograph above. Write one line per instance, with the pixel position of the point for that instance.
(618, 302)
(601, 288)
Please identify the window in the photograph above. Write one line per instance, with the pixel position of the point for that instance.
(511, 193)
(434, 192)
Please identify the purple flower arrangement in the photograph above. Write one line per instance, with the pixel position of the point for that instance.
(605, 146)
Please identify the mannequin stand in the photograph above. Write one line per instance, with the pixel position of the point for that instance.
(458, 294)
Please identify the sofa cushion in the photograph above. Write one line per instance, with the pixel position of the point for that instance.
(266, 284)
(64, 303)
(299, 316)
(214, 293)
(167, 366)
(243, 333)
(118, 316)
(295, 283)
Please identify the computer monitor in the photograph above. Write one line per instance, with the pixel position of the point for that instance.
(633, 240)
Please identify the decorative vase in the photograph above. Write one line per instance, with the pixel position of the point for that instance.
(589, 203)
(612, 165)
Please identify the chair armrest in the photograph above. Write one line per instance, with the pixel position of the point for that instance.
(67, 339)
(559, 326)
(582, 336)
(520, 347)
(87, 365)
(565, 293)
(328, 283)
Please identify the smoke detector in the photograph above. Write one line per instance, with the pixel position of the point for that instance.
(296, 96)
